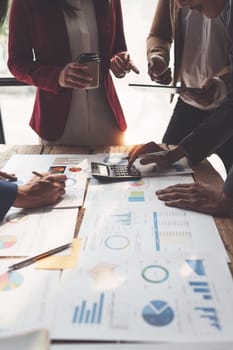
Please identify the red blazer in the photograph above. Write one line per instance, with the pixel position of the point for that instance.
(39, 50)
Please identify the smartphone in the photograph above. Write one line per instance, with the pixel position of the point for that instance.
(114, 172)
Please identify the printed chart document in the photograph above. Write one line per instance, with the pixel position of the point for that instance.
(31, 232)
(150, 297)
(129, 216)
(74, 167)
(26, 298)
(144, 346)
(34, 340)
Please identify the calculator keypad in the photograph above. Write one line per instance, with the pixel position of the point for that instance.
(122, 170)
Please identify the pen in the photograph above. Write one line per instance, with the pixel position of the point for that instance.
(37, 174)
(35, 258)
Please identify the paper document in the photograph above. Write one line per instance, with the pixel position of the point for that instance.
(31, 232)
(141, 222)
(145, 346)
(75, 168)
(151, 297)
(60, 262)
(26, 298)
(34, 340)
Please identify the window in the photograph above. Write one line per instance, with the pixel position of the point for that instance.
(147, 112)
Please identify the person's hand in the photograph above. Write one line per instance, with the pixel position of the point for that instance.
(39, 193)
(121, 64)
(163, 158)
(159, 71)
(8, 177)
(143, 149)
(207, 95)
(196, 196)
(75, 76)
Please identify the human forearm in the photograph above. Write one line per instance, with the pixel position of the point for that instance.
(210, 134)
(160, 35)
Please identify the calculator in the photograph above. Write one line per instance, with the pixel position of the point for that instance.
(114, 172)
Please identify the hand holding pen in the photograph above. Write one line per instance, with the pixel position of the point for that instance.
(48, 190)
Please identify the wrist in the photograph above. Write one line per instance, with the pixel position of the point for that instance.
(21, 198)
(176, 154)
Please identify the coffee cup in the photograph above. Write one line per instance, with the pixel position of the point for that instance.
(92, 61)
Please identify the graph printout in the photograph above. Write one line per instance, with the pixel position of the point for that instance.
(26, 298)
(146, 346)
(155, 297)
(30, 232)
(75, 167)
(128, 217)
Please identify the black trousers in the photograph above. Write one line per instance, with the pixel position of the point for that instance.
(187, 118)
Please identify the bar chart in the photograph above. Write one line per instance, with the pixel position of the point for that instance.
(89, 312)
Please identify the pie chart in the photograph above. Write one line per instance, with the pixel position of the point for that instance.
(158, 313)
(10, 281)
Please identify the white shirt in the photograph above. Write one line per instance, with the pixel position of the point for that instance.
(91, 121)
(204, 54)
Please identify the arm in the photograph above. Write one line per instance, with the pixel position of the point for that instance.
(160, 36)
(121, 62)
(226, 76)
(29, 55)
(196, 196)
(210, 134)
(39, 193)
(201, 197)
(34, 194)
(159, 43)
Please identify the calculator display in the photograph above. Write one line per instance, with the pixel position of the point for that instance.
(103, 170)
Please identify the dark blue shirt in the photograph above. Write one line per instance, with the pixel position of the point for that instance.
(8, 193)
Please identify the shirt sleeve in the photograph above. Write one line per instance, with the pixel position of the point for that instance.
(212, 133)
(8, 193)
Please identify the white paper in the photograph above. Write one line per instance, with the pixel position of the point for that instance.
(76, 168)
(35, 340)
(144, 346)
(128, 215)
(150, 297)
(30, 232)
(26, 298)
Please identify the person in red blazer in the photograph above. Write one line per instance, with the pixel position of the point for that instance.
(40, 55)
(36, 193)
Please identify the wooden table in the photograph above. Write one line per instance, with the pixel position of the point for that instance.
(203, 172)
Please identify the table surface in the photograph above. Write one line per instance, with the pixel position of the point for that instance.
(202, 172)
